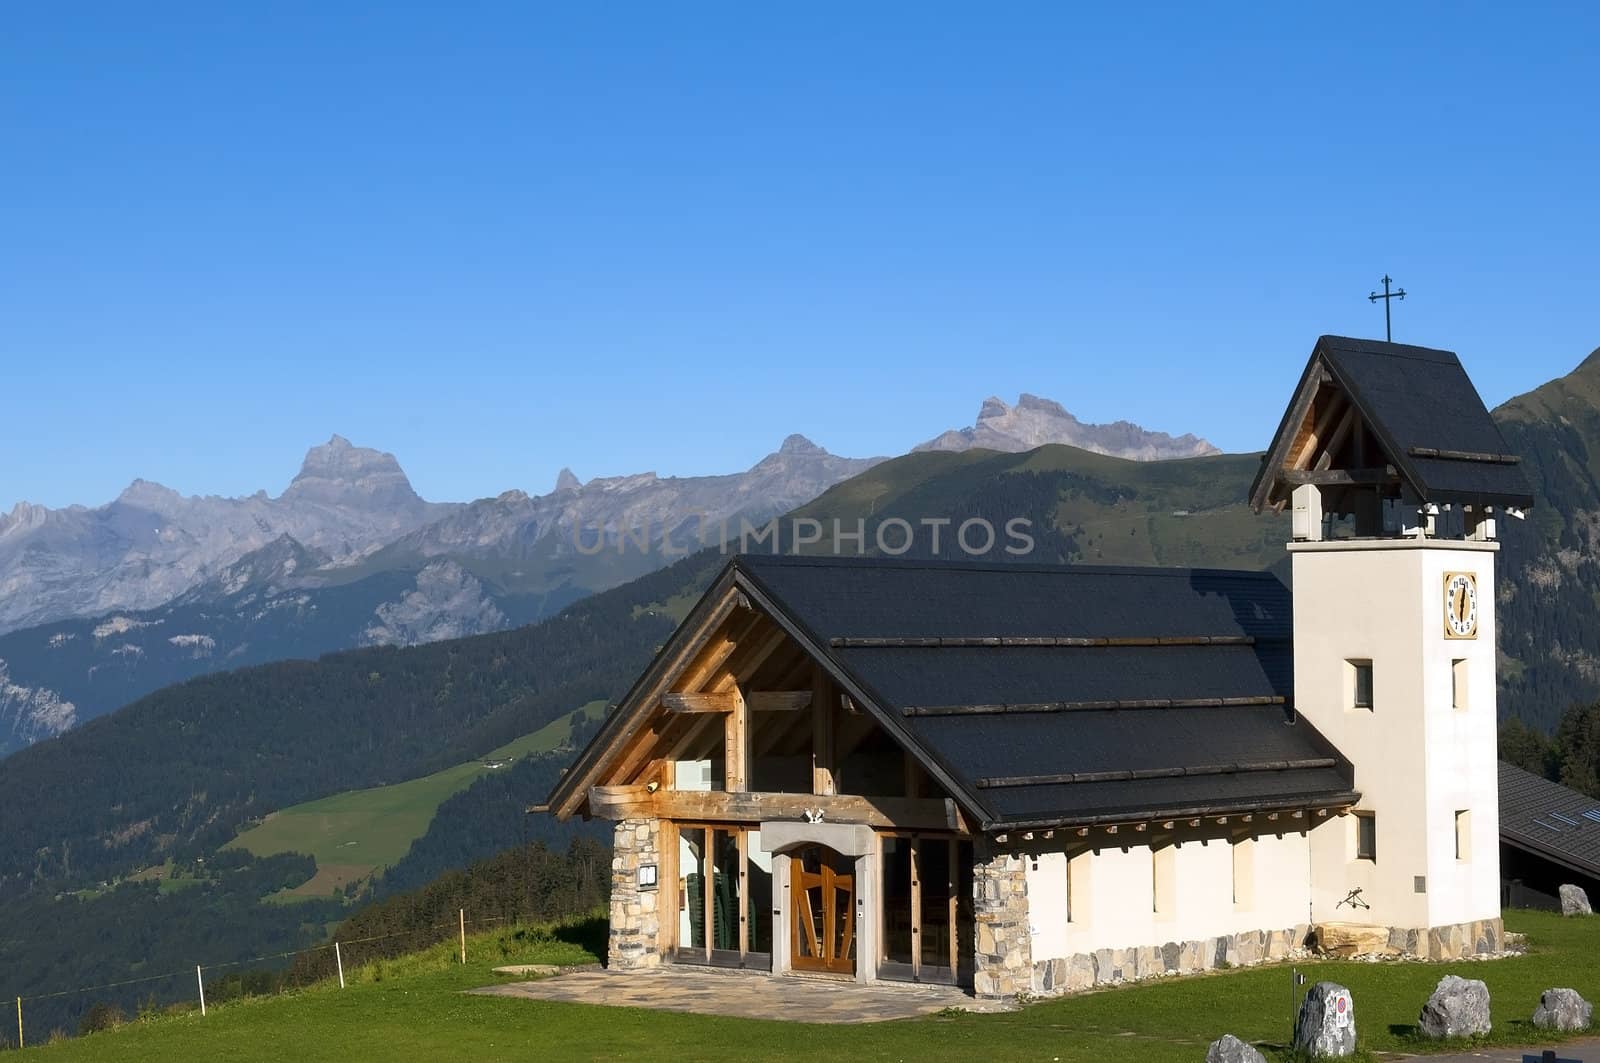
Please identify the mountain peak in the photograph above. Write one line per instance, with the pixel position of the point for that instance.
(340, 473)
(1035, 421)
(566, 480)
(799, 444)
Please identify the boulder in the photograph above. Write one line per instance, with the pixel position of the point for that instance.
(1459, 1007)
(1352, 939)
(1229, 1049)
(1326, 1026)
(1574, 901)
(1563, 1009)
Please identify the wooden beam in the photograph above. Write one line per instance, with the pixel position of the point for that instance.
(822, 745)
(715, 806)
(634, 716)
(1340, 477)
(1336, 440)
(747, 663)
(736, 746)
(1307, 444)
(717, 652)
(720, 701)
(779, 700)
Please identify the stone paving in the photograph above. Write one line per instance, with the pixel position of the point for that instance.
(1587, 1050)
(744, 995)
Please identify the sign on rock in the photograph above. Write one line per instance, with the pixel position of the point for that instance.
(1341, 1010)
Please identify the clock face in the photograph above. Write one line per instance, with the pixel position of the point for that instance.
(1460, 605)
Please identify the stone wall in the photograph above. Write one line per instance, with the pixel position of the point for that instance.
(1245, 949)
(1111, 966)
(1004, 963)
(635, 913)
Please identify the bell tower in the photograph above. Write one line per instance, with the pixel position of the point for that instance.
(1395, 476)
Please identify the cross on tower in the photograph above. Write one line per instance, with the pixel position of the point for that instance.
(1386, 296)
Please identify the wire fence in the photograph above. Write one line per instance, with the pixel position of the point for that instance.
(336, 948)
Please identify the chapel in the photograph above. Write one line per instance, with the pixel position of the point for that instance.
(1029, 778)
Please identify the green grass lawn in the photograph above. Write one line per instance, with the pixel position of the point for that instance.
(352, 834)
(411, 1009)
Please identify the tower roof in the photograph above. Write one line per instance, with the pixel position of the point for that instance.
(1369, 412)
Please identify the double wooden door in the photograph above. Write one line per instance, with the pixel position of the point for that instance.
(822, 902)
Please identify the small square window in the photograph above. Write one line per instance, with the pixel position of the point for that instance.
(1366, 836)
(1360, 680)
(1458, 684)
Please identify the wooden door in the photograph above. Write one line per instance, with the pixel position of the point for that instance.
(822, 902)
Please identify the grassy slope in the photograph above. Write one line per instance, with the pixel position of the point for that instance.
(353, 834)
(411, 1009)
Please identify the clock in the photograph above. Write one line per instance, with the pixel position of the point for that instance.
(1460, 605)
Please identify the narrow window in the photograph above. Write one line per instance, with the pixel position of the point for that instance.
(1078, 887)
(1244, 853)
(1360, 677)
(1162, 894)
(1366, 836)
(1458, 684)
(1464, 835)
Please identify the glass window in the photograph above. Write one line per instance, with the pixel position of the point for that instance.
(1366, 836)
(1361, 676)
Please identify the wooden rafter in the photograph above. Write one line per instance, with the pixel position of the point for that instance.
(719, 806)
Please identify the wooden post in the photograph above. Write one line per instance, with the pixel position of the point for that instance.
(462, 913)
(199, 980)
(708, 897)
(736, 745)
(954, 878)
(19, 1022)
(822, 779)
(916, 908)
(744, 901)
(339, 959)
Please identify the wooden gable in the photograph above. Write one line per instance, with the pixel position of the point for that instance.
(1373, 420)
(1324, 440)
(736, 687)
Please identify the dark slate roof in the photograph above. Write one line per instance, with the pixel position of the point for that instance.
(1550, 820)
(850, 607)
(1421, 399)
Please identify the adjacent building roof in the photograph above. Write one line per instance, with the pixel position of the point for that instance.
(1053, 695)
(1550, 820)
(1421, 407)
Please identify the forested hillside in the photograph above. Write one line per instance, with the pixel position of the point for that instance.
(1550, 565)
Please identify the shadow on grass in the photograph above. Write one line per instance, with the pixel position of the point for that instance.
(590, 934)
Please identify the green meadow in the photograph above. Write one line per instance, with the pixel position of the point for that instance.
(413, 1009)
(352, 834)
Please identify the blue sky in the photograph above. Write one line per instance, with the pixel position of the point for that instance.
(500, 239)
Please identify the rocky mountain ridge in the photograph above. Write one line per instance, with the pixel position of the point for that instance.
(101, 605)
(1035, 422)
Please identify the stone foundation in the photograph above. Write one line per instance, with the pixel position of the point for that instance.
(635, 913)
(1102, 967)
(1004, 963)
(1087, 970)
(1457, 941)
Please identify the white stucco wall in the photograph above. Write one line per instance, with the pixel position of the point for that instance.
(1417, 758)
(1112, 899)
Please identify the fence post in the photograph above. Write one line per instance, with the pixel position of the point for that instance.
(337, 958)
(199, 980)
(463, 914)
(19, 1022)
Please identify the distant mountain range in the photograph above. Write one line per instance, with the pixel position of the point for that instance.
(99, 606)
